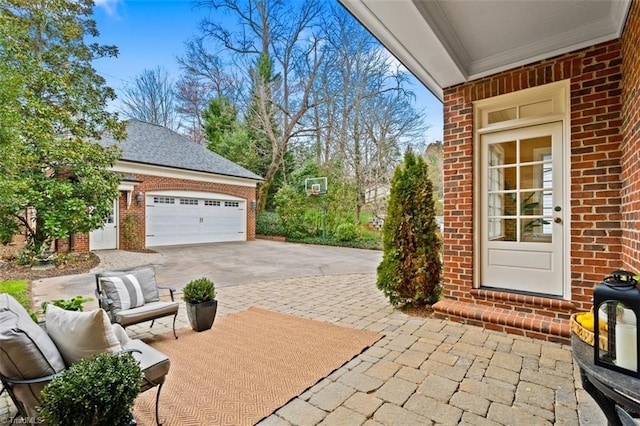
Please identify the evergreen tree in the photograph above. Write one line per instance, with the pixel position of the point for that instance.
(410, 271)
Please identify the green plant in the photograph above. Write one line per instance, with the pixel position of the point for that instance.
(73, 304)
(410, 271)
(268, 223)
(346, 232)
(19, 289)
(129, 232)
(199, 291)
(97, 391)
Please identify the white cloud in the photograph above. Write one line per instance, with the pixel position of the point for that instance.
(109, 6)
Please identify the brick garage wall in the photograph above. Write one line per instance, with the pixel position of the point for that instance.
(631, 141)
(596, 122)
(131, 220)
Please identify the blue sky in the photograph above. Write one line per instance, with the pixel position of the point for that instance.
(151, 33)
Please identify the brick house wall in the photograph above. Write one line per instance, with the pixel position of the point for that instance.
(131, 219)
(596, 120)
(631, 141)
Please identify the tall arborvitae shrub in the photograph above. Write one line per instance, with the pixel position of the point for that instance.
(409, 273)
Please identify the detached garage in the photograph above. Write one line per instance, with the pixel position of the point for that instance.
(174, 191)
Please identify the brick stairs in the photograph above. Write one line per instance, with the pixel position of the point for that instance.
(516, 313)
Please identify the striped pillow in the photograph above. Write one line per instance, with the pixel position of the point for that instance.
(124, 290)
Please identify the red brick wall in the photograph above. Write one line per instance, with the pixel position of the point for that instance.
(595, 75)
(135, 238)
(631, 141)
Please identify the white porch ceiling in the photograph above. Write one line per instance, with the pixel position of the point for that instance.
(447, 42)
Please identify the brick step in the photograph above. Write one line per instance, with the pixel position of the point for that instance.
(528, 303)
(531, 318)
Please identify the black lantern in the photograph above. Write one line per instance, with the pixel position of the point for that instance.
(616, 306)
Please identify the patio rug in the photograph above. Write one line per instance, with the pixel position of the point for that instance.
(247, 366)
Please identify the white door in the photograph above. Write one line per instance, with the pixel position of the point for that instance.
(173, 220)
(522, 210)
(106, 238)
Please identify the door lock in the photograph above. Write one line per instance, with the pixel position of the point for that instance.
(557, 208)
(557, 220)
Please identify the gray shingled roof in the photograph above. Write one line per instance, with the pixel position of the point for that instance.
(153, 144)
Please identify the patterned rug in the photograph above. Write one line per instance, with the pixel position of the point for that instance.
(247, 366)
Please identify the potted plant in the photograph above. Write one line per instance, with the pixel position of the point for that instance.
(199, 296)
(95, 391)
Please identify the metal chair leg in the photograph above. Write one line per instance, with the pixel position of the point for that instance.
(157, 403)
(174, 325)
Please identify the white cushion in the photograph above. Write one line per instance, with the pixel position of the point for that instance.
(124, 290)
(80, 334)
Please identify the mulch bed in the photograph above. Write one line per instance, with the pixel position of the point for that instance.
(74, 263)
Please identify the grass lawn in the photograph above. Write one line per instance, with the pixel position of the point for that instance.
(19, 289)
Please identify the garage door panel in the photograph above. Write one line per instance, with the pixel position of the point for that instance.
(172, 221)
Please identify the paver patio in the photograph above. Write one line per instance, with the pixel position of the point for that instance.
(424, 371)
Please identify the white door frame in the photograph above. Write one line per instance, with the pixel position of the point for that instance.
(554, 101)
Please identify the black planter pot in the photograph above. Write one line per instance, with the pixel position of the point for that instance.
(201, 315)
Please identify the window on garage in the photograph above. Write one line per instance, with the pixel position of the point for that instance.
(188, 202)
(163, 200)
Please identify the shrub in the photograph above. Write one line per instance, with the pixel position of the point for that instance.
(199, 291)
(130, 236)
(268, 223)
(346, 232)
(96, 391)
(411, 267)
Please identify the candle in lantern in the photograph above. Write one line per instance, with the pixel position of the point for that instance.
(626, 349)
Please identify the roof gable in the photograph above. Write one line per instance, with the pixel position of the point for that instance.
(153, 144)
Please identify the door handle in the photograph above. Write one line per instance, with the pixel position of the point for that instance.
(557, 220)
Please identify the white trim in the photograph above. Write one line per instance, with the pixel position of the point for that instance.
(127, 188)
(195, 194)
(560, 92)
(414, 52)
(422, 38)
(169, 172)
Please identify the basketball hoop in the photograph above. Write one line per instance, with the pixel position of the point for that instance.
(315, 186)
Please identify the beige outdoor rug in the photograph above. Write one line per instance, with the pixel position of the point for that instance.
(246, 367)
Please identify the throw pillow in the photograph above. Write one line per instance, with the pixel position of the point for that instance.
(124, 290)
(80, 334)
(146, 278)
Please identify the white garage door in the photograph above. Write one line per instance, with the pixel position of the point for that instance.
(176, 220)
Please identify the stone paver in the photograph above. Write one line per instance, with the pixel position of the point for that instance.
(344, 416)
(393, 415)
(422, 371)
(396, 390)
(332, 396)
(301, 413)
(363, 403)
(438, 411)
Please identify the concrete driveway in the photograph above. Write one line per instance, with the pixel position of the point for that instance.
(262, 260)
(227, 264)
